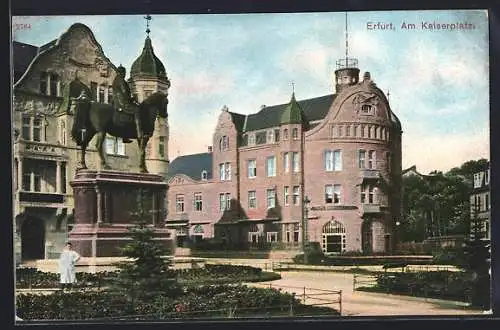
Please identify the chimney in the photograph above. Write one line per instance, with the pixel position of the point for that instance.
(209, 149)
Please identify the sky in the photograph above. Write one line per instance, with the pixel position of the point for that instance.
(438, 80)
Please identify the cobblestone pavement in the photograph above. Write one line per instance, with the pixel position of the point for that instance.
(370, 304)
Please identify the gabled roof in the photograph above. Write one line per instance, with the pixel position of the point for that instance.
(314, 109)
(22, 55)
(191, 165)
(238, 120)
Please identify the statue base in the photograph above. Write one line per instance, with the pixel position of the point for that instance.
(107, 203)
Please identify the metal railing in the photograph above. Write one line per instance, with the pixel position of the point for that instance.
(363, 280)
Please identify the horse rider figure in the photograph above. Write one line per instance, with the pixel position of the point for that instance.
(123, 100)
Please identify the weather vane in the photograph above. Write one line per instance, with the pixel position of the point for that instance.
(147, 18)
(293, 87)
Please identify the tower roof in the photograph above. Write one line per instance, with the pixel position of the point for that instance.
(293, 114)
(147, 64)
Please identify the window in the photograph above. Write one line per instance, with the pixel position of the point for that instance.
(228, 201)
(38, 181)
(276, 135)
(362, 130)
(366, 108)
(336, 194)
(179, 203)
(44, 83)
(371, 159)
(114, 146)
(198, 202)
(370, 195)
(348, 130)
(333, 194)
(486, 202)
(271, 198)
(161, 147)
(355, 130)
(101, 93)
(363, 195)
(295, 162)
(252, 168)
(62, 132)
(296, 196)
(110, 95)
(272, 237)
(251, 139)
(286, 162)
(270, 137)
(26, 127)
(333, 160)
(54, 84)
(369, 129)
(285, 134)
(228, 171)
(37, 128)
(26, 181)
(93, 90)
(252, 199)
(204, 175)
(339, 130)
(295, 133)
(222, 202)
(222, 171)
(361, 159)
(271, 166)
(286, 193)
(224, 143)
(63, 178)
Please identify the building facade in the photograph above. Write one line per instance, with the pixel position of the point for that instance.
(46, 81)
(327, 169)
(480, 199)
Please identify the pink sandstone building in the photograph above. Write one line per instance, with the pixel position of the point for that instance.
(327, 169)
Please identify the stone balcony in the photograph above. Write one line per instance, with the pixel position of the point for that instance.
(37, 148)
(370, 208)
(370, 174)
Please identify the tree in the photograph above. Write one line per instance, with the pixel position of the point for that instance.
(146, 273)
(477, 262)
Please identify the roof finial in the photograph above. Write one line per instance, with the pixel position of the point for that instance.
(147, 18)
(293, 87)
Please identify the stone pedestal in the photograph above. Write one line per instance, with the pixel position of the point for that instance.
(105, 203)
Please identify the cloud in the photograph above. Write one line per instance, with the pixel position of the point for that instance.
(200, 84)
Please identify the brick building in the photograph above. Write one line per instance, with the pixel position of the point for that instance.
(46, 80)
(327, 167)
(480, 199)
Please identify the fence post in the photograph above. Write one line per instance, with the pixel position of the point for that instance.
(340, 303)
(304, 295)
(353, 282)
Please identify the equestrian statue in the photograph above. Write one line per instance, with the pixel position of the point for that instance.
(125, 119)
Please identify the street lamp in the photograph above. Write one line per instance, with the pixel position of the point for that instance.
(304, 227)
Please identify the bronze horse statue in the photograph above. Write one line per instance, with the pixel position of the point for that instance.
(94, 118)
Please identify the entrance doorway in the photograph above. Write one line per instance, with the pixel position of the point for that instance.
(334, 240)
(32, 238)
(367, 237)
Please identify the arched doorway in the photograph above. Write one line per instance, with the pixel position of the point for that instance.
(334, 240)
(32, 238)
(367, 236)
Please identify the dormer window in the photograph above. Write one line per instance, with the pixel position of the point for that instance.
(204, 175)
(270, 137)
(366, 109)
(251, 139)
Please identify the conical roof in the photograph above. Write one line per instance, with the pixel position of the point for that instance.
(293, 114)
(147, 64)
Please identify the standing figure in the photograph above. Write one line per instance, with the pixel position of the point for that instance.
(67, 262)
(123, 100)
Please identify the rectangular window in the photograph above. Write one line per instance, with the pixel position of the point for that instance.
(285, 134)
(276, 135)
(44, 83)
(228, 201)
(222, 172)
(363, 195)
(271, 198)
(337, 158)
(333, 160)
(329, 194)
(110, 95)
(348, 130)
(337, 194)
(252, 199)
(288, 237)
(355, 130)
(198, 202)
(362, 130)
(361, 159)
(272, 237)
(295, 162)
(222, 202)
(101, 93)
(286, 193)
(93, 90)
(296, 197)
(271, 166)
(161, 147)
(286, 162)
(370, 195)
(328, 160)
(252, 168)
(369, 128)
(54, 84)
(179, 203)
(371, 159)
(295, 133)
(340, 131)
(26, 127)
(37, 129)
(295, 236)
(228, 171)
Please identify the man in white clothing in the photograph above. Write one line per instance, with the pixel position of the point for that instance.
(67, 262)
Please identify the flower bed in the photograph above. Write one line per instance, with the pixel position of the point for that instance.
(32, 278)
(201, 301)
(439, 284)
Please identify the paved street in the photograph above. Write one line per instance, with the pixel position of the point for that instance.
(369, 304)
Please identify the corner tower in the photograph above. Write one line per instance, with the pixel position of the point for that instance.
(346, 71)
(147, 76)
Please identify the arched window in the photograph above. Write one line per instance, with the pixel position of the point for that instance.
(334, 237)
(224, 143)
(204, 175)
